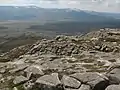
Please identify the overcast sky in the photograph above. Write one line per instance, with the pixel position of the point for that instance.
(94, 5)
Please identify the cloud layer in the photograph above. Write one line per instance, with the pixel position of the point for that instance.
(96, 5)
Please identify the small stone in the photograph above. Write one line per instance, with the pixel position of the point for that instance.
(97, 47)
(9, 78)
(15, 88)
(1, 75)
(28, 85)
(2, 71)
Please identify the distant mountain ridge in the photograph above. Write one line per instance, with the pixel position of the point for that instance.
(107, 14)
(42, 14)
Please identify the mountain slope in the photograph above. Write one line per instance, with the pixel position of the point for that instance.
(88, 62)
(37, 13)
(106, 14)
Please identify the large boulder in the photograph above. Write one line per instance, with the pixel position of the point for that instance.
(70, 82)
(19, 67)
(95, 80)
(113, 87)
(114, 76)
(19, 80)
(34, 70)
(49, 82)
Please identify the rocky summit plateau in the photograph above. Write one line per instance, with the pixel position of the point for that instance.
(85, 62)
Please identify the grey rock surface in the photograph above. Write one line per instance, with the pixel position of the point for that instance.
(19, 79)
